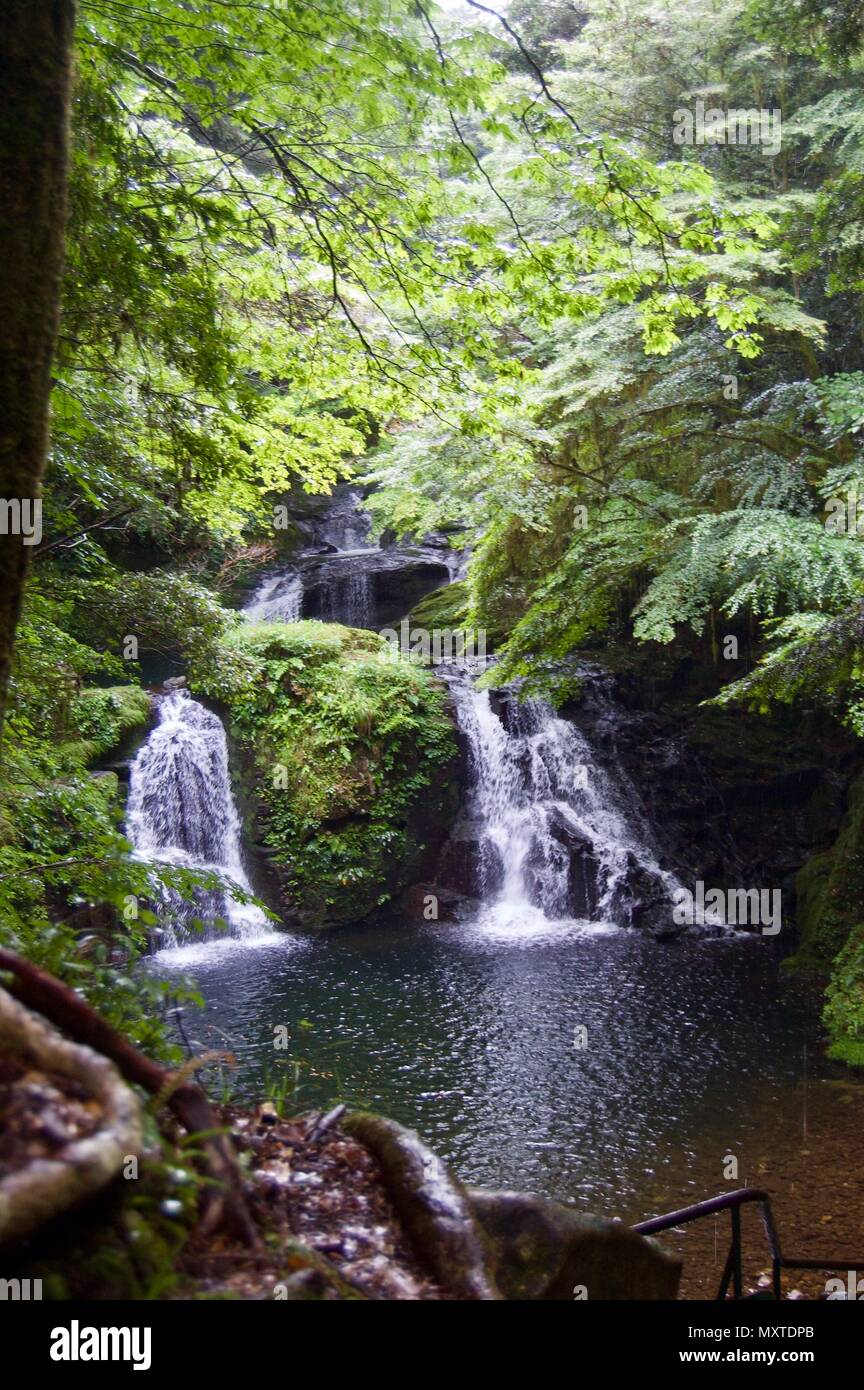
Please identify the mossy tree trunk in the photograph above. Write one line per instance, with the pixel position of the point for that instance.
(35, 67)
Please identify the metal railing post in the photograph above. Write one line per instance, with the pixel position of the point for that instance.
(737, 1276)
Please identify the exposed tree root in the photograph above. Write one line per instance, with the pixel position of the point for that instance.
(223, 1202)
(46, 1187)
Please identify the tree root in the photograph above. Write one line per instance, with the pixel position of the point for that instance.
(46, 1187)
(223, 1201)
(433, 1206)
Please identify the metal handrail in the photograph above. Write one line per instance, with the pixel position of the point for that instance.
(733, 1202)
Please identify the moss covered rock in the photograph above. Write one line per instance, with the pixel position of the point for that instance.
(104, 719)
(444, 608)
(844, 1002)
(547, 1250)
(350, 761)
(829, 890)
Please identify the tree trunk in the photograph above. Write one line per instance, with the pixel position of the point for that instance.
(35, 67)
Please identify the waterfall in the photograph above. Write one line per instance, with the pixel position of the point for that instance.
(181, 812)
(343, 585)
(342, 575)
(346, 594)
(347, 590)
(278, 599)
(349, 598)
(549, 829)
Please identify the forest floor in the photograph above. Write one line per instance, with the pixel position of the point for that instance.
(318, 1198)
(323, 1195)
(330, 1230)
(327, 1195)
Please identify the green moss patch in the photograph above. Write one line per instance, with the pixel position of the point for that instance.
(350, 758)
(444, 608)
(829, 890)
(843, 1015)
(103, 718)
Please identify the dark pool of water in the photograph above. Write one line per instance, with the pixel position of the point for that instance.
(468, 1034)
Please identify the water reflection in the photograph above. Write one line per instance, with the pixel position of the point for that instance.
(469, 1036)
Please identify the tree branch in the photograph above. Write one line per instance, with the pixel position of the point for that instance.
(85, 530)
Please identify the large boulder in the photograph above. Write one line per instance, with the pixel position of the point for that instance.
(544, 1250)
(511, 1245)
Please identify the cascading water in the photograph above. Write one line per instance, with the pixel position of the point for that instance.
(181, 812)
(344, 588)
(348, 598)
(278, 599)
(347, 591)
(342, 575)
(551, 837)
(549, 834)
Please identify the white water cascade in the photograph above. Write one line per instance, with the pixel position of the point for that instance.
(181, 812)
(348, 598)
(278, 599)
(552, 837)
(347, 592)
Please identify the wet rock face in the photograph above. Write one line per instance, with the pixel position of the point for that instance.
(343, 574)
(373, 589)
(646, 905)
(467, 866)
(544, 1250)
(582, 886)
(473, 870)
(429, 902)
(731, 799)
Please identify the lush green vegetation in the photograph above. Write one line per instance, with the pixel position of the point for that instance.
(344, 738)
(844, 1006)
(709, 489)
(466, 259)
(688, 489)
